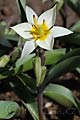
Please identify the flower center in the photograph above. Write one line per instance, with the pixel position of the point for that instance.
(39, 31)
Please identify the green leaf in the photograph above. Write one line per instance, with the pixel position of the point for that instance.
(59, 3)
(78, 102)
(28, 82)
(37, 69)
(9, 34)
(4, 60)
(28, 65)
(15, 54)
(61, 95)
(6, 73)
(5, 42)
(23, 60)
(23, 3)
(33, 109)
(3, 76)
(78, 70)
(51, 58)
(26, 96)
(6, 34)
(22, 8)
(72, 53)
(8, 109)
(76, 27)
(75, 5)
(12, 37)
(62, 68)
(72, 39)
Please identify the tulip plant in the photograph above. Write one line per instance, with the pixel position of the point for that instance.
(33, 54)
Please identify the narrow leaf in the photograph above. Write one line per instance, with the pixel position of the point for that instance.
(72, 53)
(72, 39)
(21, 61)
(76, 27)
(51, 58)
(27, 98)
(5, 74)
(28, 82)
(62, 68)
(54, 56)
(60, 94)
(22, 7)
(75, 5)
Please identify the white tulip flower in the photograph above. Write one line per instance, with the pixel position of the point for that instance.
(39, 31)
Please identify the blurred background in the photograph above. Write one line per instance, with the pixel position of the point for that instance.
(9, 11)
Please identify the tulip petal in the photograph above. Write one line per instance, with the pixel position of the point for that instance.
(49, 16)
(60, 31)
(29, 14)
(22, 29)
(28, 48)
(45, 44)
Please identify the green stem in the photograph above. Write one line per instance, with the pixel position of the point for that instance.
(40, 52)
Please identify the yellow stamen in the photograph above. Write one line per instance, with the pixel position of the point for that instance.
(39, 31)
(35, 21)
